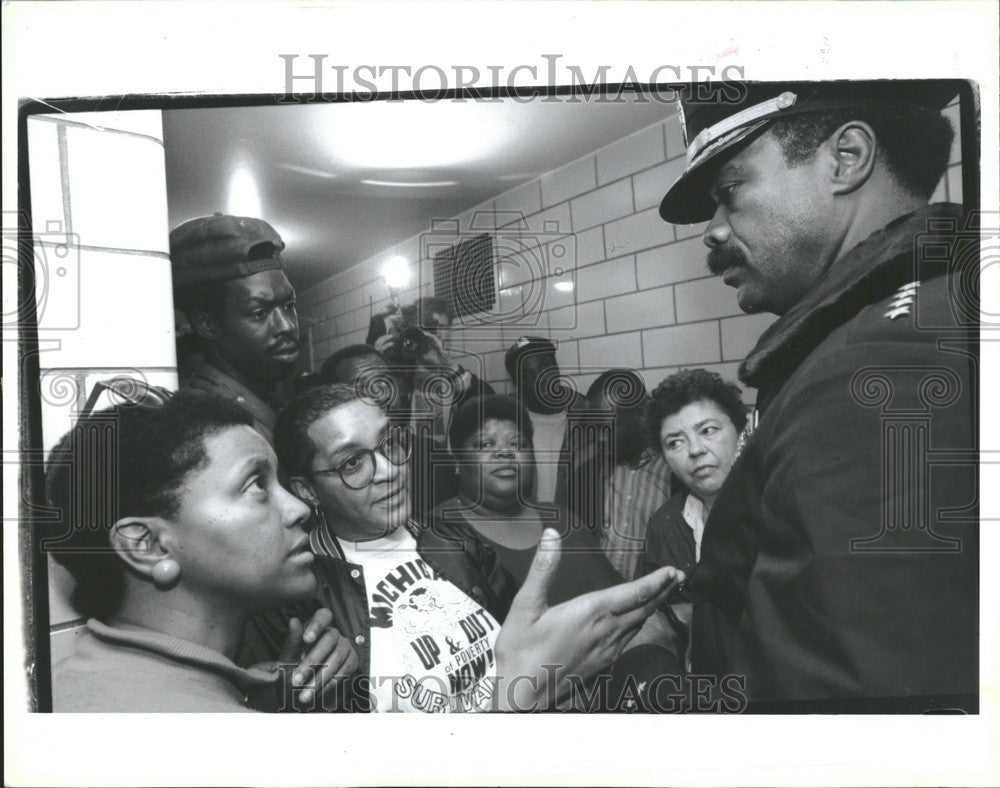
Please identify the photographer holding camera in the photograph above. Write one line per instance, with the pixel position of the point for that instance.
(413, 340)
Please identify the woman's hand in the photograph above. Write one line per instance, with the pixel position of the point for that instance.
(540, 647)
(315, 654)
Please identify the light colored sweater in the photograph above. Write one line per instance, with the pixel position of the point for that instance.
(123, 670)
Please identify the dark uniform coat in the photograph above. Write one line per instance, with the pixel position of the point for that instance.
(841, 559)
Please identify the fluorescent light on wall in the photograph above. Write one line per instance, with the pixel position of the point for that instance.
(396, 272)
(564, 287)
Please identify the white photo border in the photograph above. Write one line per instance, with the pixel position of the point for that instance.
(98, 49)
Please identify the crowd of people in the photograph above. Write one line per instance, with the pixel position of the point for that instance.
(387, 533)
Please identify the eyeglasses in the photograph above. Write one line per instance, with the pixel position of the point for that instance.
(358, 470)
(124, 390)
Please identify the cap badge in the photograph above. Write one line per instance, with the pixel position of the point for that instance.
(786, 99)
(753, 114)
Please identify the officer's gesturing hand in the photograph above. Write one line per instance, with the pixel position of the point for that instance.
(580, 637)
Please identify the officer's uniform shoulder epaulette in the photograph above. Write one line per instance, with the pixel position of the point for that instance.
(916, 309)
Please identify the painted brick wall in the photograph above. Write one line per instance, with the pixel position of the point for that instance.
(583, 258)
(99, 212)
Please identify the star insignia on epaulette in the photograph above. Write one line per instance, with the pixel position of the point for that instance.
(902, 300)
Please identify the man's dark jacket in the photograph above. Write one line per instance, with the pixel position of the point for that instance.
(841, 558)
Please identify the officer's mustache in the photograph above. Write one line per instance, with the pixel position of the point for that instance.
(723, 257)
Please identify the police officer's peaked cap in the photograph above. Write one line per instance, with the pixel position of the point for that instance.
(715, 118)
(523, 347)
(220, 248)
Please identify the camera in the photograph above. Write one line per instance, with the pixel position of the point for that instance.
(49, 259)
(969, 251)
(409, 343)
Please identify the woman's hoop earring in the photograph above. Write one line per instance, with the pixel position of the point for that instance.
(165, 573)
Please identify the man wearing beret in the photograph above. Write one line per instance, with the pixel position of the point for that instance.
(230, 284)
(840, 560)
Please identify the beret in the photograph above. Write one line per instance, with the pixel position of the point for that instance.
(220, 248)
(525, 346)
(715, 118)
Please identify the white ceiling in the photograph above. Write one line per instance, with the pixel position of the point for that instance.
(342, 182)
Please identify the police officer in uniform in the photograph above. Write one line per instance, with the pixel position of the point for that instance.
(239, 307)
(839, 567)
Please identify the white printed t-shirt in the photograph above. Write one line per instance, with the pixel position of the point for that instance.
(432, 646)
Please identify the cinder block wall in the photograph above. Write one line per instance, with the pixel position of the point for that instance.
(583, 258)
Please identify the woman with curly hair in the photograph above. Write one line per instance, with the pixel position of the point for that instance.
(695, 418)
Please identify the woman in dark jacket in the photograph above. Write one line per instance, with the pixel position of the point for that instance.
(696, 419)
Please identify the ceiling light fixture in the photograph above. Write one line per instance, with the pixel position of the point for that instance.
(367, 137)
(307, 171)
(410, 184)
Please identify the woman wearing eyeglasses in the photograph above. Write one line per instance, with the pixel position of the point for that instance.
(176, 533)
(423, 613)
(427, 605)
